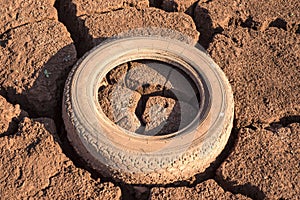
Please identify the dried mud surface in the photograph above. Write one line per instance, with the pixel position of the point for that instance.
(206, 190)
(256, 43)
(265, 161)
(262, 69)
(33, 164)
(35, 60)
(19, 12)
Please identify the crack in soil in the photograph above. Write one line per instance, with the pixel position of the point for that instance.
(298, 29)
(44, 190)
(247, 189)
(104, 12)
(283, 123)
(71, 20)
(156, 3)
(286, 121)
(279, 23)
(4, 38)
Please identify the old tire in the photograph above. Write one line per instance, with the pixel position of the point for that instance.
(134, 158)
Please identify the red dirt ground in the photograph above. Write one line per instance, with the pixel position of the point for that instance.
(256, 43)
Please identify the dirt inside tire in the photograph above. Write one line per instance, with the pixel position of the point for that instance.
(139, 97)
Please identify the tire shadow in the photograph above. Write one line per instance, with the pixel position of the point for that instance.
(202, 18)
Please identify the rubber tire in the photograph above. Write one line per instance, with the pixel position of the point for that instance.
(130, 157)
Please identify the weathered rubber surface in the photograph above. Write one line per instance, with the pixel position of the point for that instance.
(134, 158)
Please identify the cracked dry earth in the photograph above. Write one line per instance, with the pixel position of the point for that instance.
(256, 43)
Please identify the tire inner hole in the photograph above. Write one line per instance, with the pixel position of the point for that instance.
(149, 97)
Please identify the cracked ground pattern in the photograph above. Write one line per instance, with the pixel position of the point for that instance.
(256, 43)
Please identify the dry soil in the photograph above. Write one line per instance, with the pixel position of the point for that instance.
(256, 43)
